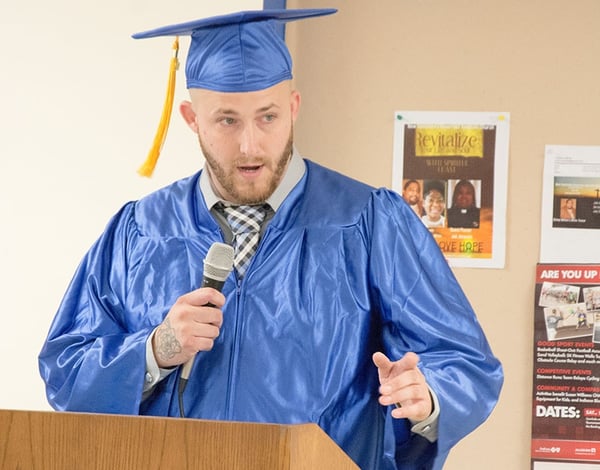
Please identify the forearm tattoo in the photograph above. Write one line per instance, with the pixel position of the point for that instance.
(167, 345)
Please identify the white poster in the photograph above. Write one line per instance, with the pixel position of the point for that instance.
(452, 169)
(570, 230)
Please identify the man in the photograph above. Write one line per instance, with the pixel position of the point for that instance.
(411, 193)
(337, 319)
(567, 211)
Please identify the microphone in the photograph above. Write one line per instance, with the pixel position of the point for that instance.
(217, 266)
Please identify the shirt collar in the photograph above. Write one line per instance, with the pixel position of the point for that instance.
(294, 173)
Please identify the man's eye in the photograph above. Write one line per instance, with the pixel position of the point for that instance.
(226, 121)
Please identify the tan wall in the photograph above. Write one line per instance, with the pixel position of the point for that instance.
(537, 59)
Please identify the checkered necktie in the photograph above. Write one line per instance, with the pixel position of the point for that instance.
(245, 222)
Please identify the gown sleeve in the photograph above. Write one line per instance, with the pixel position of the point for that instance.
(424, 310)
(93, 359)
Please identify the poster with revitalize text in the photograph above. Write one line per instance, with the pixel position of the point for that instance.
(452, 169)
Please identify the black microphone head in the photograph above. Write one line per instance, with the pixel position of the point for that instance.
(218, 262)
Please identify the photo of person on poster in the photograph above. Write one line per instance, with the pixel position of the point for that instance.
(553, 319)
(411, 193)
(596, 334)
(567, 321)
(568, 208)
(464, 211)
(434, 204)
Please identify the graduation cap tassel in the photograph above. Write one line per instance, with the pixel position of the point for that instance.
(147, 167)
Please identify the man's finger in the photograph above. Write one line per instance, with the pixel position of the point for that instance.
(383, 364)
(408, 361)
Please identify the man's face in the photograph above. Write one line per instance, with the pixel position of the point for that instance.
(411, 193)
(246, 138)
(434, 205)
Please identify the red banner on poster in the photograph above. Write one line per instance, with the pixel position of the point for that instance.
(565, 450)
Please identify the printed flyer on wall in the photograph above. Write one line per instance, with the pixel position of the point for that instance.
(451, 168)
(570, 226)
(566, 375)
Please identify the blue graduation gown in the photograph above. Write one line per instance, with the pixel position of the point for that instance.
(342, 270)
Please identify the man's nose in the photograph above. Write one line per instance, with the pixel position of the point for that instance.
(249, 141)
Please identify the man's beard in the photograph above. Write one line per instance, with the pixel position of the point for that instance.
(252, 195)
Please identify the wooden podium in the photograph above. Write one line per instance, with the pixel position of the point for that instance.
(40, 440)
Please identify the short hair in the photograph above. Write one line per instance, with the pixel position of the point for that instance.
(409, 182)
(434, 185)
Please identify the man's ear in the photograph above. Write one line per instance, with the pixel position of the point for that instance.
(189, 116)
(295, 104)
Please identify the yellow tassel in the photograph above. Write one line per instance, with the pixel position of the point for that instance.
(147, 167)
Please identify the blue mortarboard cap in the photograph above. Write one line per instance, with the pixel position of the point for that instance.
(238, 52)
